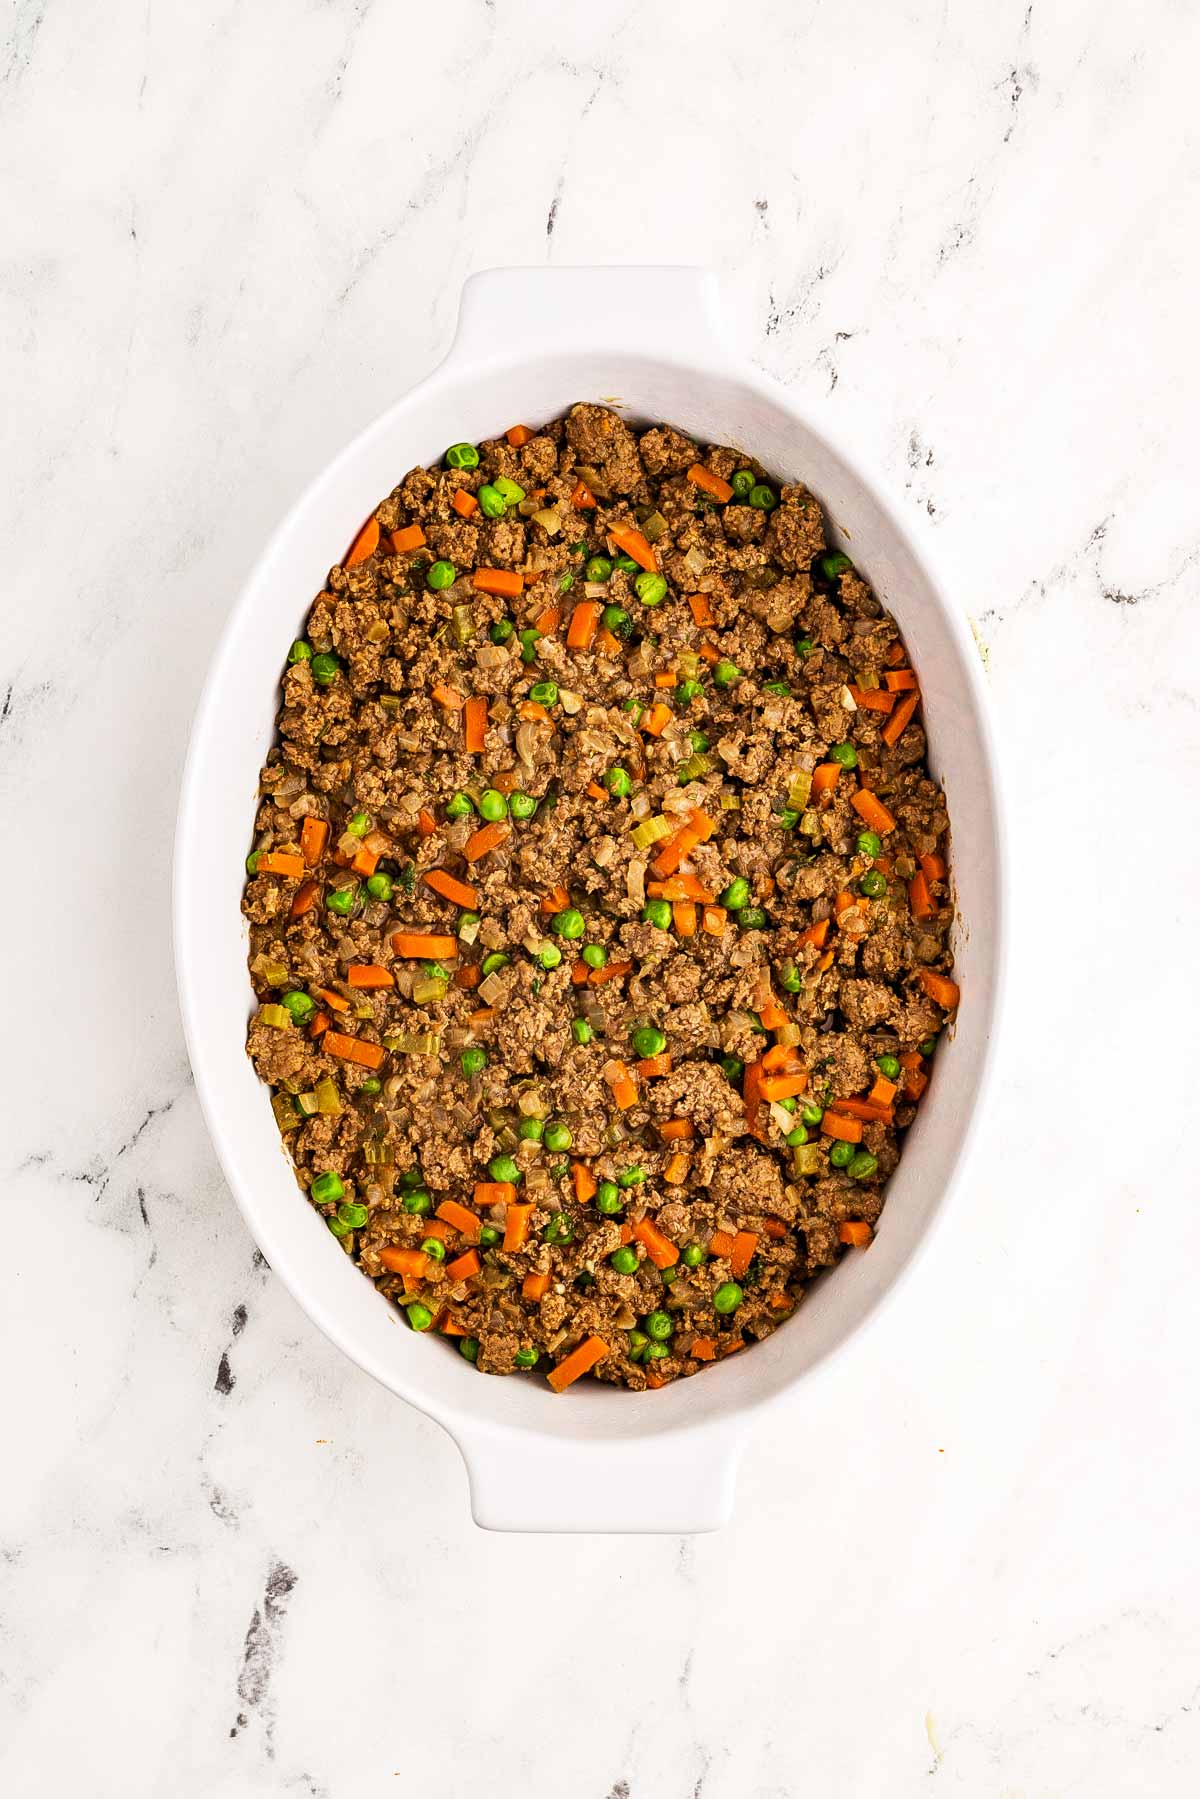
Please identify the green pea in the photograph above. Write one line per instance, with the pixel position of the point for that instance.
(419, 1316)
(300, 651)
(252, 862)
(568, 924)
(804, 647)
(616, 620)
(459, 805)
(659, 1326)
(503, 1168)
(370, 1086)
(889, 1067)
(698, 741)
(651, 589)
(497, 959)
(501, 631)
(727, 1298)
(736, 895)
(529, 639)
(469, 1347)
(687, 691)
(811, 1114)
(299, 1005)
(743, 484)
(777, 687)
(549, 955)
(657, 912)
(338, 1226)
(862, 1165)
(726, 673)
(693, 1255)
(545, 693)
(733, 1068)
(595, 955)
(637, 1345)
(530, 1129)
(525, 1358)
(841, 1155)
(795, 1138)
(578, 549)
(626, 564)
(435, 971)
(845, 754)
(618, 781)
(868, 844)
(492, 503)
(489, 1236)
(608, 1198)
(326, 1188)
(325, 669)
(624, 1260)
(379, 886)
(566, 581)
(873, 884)
(558, 1138)
(656, 1351)
(597, 568)
(559, 1230)
(762, 497)
(834, 565)
(927, 1046)
(412, 1177)
(752, 918)
(462, 456)
(790, 978)
(418, 1202)
(631, 1177)
(440, 574)
(789, 1104)
(434, 1248)
(522, 805)
(341, 900)
(648, 1041)
(492, 805)
(474, 1061)
(581, 1030)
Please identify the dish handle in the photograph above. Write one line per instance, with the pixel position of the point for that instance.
(670, 314)
(673, 1483)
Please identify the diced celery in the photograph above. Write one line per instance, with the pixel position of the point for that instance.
(284, 1108)
(329, 1100)
(427, 991)
(652, 830)
(307, 1103)
(810, 824)
(806, 1159)
(799, 790)
(278, 1017)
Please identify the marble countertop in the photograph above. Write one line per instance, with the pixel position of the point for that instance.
(962, 1559)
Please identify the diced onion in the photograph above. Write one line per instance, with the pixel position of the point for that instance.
(635, 882)
(548, 519)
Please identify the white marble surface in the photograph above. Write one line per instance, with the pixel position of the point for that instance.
(964, 1559)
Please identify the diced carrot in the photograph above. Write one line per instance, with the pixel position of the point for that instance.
(320, 1024)
(675, 1172)
(426, 823)
(657, 719)
(816, 934)
(595, 791)
(677, 1130)
(450, 1326)
(919, 897)
(684, 914)
(898, 723)
(721, 1243)
(883, 1091)
(854, 1232)
(404, 1261)
(681, 887)
(369, 974)
(864, 1109)
(843, 902)
(582, 497)
(709, 652)
(580, 1361)
(666, 677)
(475, 719)
(516, 1225)
(428, 946)
(896, 655)
(477, 1020)
(582, 628)
(883, 864)
(494, 1193)
(354, 1049)
(314, 833)
(364, 862)
(900, 680)
(825, 777)
(579, 973)
(467, 976)
(872, 811)
(534, 711)
(333, 1000)
(411, 1286)
(659, 1248)
(773, 1017)
(932, 867)
(650, 1067)
(585, 1182)
(825, 962)
(487, 837)
(872, 699)
(460, 1218)
(940, 988)
(702, 611)
(449, 697)
(364, 545)
(548, 621)
(304, 899)
(464, 503)
(464, 1266)
(713, 484)
(410, 537)
(634, 544)
(518, 435)
(624, 1087)
(504, 581)
(742, 1253)
(783, 1086)
(911, 1059)
(776, 1228)
(607, 642)
(612, 971)
(555, 899)
(444, 883)
(280, 862)
(915, 1082)
(779, 1059)
(704, 1349)
(715, 920)
(534, 1286)
(846, 1130)
(626, 1235)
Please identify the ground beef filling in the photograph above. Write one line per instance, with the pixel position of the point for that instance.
(599, 904)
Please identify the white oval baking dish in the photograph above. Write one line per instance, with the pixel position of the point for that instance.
(529, 343)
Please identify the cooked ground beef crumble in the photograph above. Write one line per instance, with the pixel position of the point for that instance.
(599, 905)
